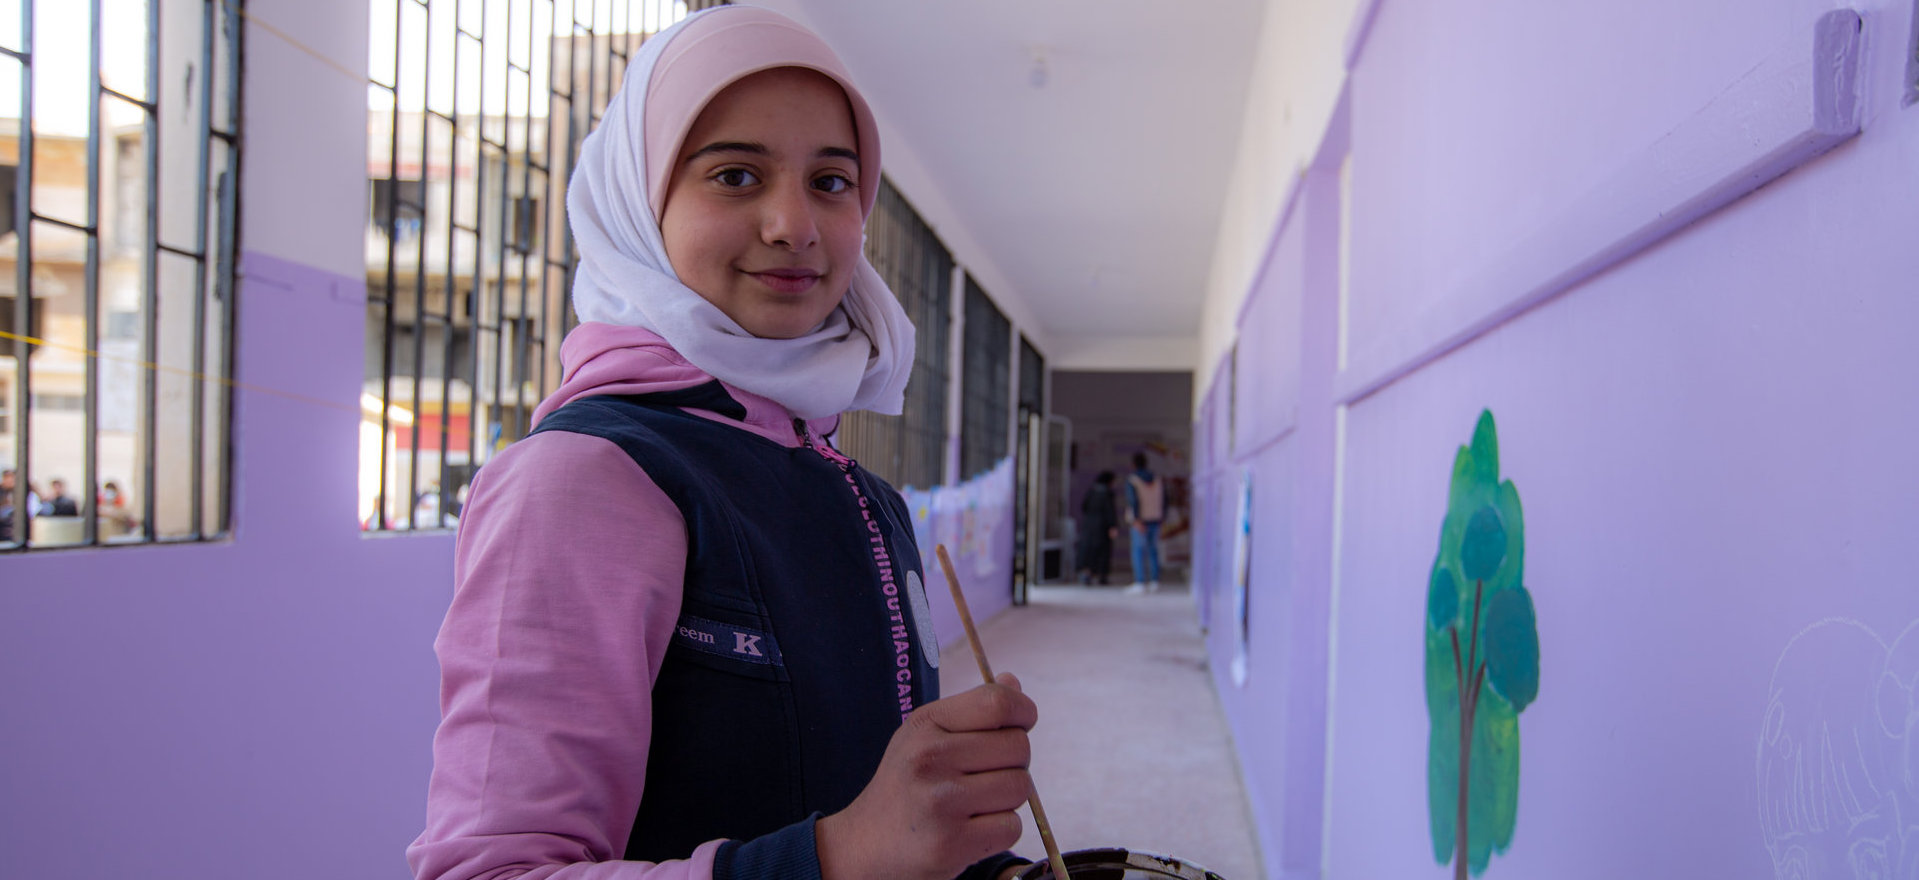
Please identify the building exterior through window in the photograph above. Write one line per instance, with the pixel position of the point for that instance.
(117, 244)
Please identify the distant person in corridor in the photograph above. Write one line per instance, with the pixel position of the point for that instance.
(1145, 510)
(1098, 526)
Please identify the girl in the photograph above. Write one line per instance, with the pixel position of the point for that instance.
(689, 639)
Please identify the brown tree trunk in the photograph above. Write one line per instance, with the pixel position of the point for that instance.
(1459, 793)
(1468, 704)
(1465, 762)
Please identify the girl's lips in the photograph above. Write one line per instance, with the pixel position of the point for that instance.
(788, 280)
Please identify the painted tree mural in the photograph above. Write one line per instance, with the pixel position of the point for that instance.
(1482, 660)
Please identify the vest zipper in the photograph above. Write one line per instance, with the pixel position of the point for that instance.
(896, 607)
(825, 451)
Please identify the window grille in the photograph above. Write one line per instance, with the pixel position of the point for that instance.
(986, 391)
(908, 449)
(117, 208)
(522, 233)
(476, 112)
(1032, 377)
(1032, 387)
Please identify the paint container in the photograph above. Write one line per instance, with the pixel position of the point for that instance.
(1119, 864)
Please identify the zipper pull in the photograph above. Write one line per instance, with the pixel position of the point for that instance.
(826, 451)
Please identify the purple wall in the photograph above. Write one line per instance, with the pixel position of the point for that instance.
(262, 706)
(1279, 425)
(258, 707)
(1704, 395)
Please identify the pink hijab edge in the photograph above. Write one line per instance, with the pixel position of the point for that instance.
(717, 48)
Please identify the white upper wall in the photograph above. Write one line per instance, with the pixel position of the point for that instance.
(296, 154)
(1297, 77)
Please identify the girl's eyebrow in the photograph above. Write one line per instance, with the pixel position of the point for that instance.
(729, 147)
(759, 149)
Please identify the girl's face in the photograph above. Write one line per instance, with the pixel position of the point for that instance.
(762, 214)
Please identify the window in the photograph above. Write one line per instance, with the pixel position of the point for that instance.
(398, 207)
(433, 350)
(475, 117)
(59, 403)
(986, 390)
(122, 325)
(117, 249)
(522, 233)
(10, 330)
(1032, 377)
(9, 179)
(129, 196)
(909, 449)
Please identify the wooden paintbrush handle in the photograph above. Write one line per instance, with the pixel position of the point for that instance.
(986, 672)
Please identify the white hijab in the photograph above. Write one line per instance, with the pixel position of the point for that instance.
(859, 358)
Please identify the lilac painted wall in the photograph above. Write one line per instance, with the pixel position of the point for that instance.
(1281, 419)
(261, 706)
(257, 707)
(1710, 425)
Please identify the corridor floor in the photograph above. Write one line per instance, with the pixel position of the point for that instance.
(1131, 748)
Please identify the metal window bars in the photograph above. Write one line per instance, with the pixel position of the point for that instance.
(1032, 376)
(118, 297)
(908, 449)
(986, 392)
(477, 109)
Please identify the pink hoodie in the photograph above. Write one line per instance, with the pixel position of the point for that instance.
(567, 574)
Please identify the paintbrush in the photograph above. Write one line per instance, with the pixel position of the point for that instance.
(986, 672)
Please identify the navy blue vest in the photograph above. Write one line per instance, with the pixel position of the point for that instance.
(799, 647)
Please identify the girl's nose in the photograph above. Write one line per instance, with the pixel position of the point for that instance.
(788, 221)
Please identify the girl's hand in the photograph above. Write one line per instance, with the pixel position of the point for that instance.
(944, 794)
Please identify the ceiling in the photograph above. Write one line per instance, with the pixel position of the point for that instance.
(1074, 154)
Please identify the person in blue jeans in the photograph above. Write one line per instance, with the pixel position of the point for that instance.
(1145, 510)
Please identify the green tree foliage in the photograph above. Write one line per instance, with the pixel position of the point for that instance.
(1482, 660)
